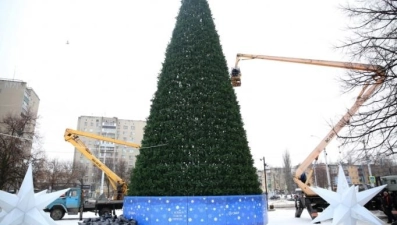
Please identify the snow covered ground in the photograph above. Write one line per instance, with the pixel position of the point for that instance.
(286, 216)
(280, 216)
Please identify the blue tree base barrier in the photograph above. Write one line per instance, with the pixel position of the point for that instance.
(194, 210)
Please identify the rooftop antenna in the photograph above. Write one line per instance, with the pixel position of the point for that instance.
(15, 69)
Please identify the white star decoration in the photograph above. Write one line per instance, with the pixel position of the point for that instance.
(26, 207)
(346, 205)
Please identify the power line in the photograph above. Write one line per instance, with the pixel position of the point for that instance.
(154, 146)
(16, 137)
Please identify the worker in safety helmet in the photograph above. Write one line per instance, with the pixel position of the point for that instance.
(303, 177)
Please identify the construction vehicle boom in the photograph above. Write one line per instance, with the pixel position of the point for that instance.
(367, 91)
(117, 183)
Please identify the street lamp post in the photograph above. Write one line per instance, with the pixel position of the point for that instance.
(264, 172)
(327, 170)
(103, 173)
(326, 167)
(315, 174)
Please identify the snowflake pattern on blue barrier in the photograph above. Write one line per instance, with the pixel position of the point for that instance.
(198, 210)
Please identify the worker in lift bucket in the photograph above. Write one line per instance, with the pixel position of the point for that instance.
(303, 177)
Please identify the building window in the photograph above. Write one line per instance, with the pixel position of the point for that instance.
(132, 127)
(26, 99)
(125, 127)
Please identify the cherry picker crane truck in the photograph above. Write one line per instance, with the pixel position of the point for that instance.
(309, 199)
(73, 201)
(117, 183)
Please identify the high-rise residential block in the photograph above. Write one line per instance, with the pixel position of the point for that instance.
(17, 98)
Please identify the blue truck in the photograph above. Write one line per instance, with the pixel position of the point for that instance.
(72, 202)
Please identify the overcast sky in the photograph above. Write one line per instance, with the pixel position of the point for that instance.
(116, 48)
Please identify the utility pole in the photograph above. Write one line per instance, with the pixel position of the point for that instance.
(264, 172)
(369, 164)
(103, 173)
(82, 198)
(327, 170)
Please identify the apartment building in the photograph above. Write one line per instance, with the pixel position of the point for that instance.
(261, 179)
(352, 171)
(17, 98)
(109, 153)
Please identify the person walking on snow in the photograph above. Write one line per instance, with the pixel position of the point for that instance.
(388, 207)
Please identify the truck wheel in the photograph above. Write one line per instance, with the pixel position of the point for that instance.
(105, 211)
(57, 213)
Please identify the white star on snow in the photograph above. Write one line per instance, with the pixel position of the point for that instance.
(346, 205)
(26, 207)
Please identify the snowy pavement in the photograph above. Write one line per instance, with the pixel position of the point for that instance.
(282, 203)
(286, 216)
(280, 216)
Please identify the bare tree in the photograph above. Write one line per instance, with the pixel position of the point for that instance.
(16, 140)
(321, 176)
(61, 174)
(54, 173)
(288, 171)
(121, 169)
(80, 173)
(110, 163)
(19, 147)
(39, 162)
(373, 39)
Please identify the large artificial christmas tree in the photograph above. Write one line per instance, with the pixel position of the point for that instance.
(194, 142)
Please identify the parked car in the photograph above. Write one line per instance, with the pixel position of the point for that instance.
(275, 197)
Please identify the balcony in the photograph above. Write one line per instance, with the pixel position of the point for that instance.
(105, 144)
(111, 125)
(107, 149)
(108, 130)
